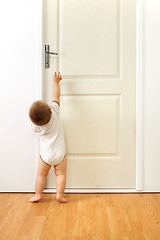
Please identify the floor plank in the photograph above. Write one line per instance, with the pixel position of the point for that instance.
(85, 217)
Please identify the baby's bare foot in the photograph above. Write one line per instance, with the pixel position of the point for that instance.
(35, 198)
(61, 199)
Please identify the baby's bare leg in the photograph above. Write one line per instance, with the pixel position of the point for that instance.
(60, 171)
(42, 172)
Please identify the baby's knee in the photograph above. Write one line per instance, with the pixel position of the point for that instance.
(43, 173)
(60, 172)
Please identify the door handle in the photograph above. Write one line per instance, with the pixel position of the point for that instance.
(47, 52)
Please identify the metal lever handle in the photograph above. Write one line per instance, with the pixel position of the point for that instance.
(47, 52)
(52, 53)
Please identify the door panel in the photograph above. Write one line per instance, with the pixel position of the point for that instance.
(93, 127)
(96, 45)
(86, 41)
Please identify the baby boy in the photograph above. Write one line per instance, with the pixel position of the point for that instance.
(46, 122)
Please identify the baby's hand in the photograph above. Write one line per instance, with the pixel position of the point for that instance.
(57, 78)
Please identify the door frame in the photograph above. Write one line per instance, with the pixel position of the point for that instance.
(139, 94)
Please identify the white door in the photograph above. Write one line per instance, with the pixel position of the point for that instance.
(95, 40)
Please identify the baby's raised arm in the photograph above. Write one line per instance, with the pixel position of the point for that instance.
(56, 87)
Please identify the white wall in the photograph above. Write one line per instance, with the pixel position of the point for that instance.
(18, 76)
(17, 91)
(151, 83)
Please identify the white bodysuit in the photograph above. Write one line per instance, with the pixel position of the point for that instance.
(52, 143)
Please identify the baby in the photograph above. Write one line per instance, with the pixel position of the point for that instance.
(46, 122)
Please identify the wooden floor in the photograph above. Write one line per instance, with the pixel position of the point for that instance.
(84, 217)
